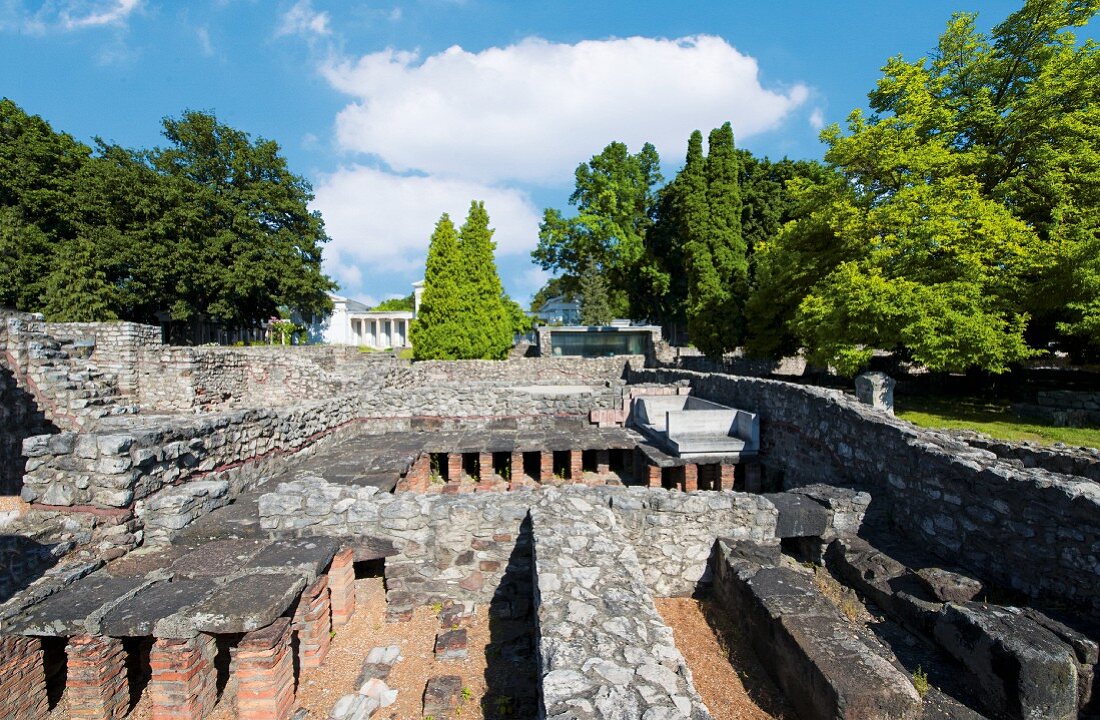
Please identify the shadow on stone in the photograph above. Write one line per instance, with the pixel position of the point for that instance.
(20, 418)
(22, 561)
(511, 673)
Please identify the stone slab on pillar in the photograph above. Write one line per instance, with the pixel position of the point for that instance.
(691, 477)
(341, 587)
(603, 462)
(312, 623)
(546, 466)
(265, 673)
(96, 684)
(23, 678)
(485, 467)
(576, 466)
(184, 681)
(516, 468)
(653, 475)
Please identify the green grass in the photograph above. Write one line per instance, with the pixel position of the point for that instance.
(990, 417)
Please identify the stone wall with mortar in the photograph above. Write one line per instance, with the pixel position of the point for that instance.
(1057, 458)
(604, 652)
(1024, 528)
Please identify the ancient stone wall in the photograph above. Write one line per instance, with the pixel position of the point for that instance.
(1057, 458)
(1024, 528)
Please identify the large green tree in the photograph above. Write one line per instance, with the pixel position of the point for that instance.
(487, 319)
(213, 225)
(437, 333)
(615, 198)
(964, 230)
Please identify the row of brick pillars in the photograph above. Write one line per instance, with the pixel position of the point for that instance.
(183, 681)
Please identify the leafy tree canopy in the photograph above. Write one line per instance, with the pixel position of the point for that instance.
(212, 225)
(401, 303)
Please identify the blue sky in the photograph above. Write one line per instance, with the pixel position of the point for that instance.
(399, 111)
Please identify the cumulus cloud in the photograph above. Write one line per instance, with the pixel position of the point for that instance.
(533, 110)
(382, 222)
(302, 19)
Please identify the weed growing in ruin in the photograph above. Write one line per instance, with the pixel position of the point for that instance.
(832, 590)
(920, 681)
(436, 607)
(467, 693)
(506, 473)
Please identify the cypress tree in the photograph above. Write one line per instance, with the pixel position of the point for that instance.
(437, 333)
(717, 260)
(486, 322)
(595, 298)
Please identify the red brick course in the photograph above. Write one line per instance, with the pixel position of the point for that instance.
(691, 477)
(184, 680)
(313, 624)
(546, 467)
(576, 466)
(265, 673)
(96, 684)
(485, 467)
(454, 467)
(517, 467)
(341, 587)
(22, 678)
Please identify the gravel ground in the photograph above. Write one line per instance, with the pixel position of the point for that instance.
(725, 668)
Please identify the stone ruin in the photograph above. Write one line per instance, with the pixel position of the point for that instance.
(189, 523)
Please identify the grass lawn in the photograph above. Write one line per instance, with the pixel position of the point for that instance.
(990, 417)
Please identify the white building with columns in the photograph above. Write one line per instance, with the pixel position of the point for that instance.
(353, 323)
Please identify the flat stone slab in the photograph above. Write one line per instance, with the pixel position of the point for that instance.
(138, 616)
(247, 603)
(64, 612)
(217, 559)
(372, 548)
(309, 556)
(799, 516)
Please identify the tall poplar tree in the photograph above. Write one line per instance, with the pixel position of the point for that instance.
(486, 320)
(437, 333)
(717, 260)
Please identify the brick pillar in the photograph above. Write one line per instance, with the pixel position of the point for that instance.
(311, 622)
(96, 684)
(341, 587)
(184, 682)
(725, 474)
(485, 467)
(576, 466)
(691, 477)
(546, 466)
(454, 467)
(265, 673)
(753, 478)
(603, 462)
(420, 474)
(23, 678)
(653, 475)
(517, 467)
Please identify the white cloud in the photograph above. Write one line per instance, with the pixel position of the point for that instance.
(66, 15)
(302, 19)
(817, 119)
(382, 222)
(533, 110)
(84, 14)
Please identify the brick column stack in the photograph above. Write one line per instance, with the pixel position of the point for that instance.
(265, 673)
(726, 475)
(420, 474)
(312, 623)
(691, 477)
(23, 678)
(653, 475)
(96, 684)
(341, 587)
(454, 467)
(517, 467)
(184, 682)
(546, 467)
(485, 467)
(576, 466)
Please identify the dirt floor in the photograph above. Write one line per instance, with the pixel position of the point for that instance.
(320, 688)
(725, 668)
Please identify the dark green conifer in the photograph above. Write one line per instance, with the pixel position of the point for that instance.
(437, 333)
(486, 322)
